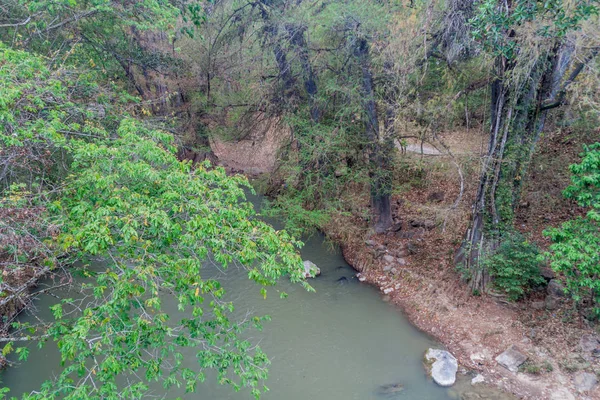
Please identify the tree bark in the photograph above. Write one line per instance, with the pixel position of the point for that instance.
(518, 117)
(298, 40)
(378, 152)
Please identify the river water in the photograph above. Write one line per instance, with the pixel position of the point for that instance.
(341, 343)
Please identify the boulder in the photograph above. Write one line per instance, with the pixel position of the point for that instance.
(555, 288)
(511, 359)
(443, 368)
(538, 305)
(412, 248)
(589, 343)
(387, 268)
(436, 197)
(547, 273)
(371, 243)
(585, 381)
(389, 259)
(311, 270)
(426, 224)
(396, 227)
(551, 303)
(590, 346)
(403, 252)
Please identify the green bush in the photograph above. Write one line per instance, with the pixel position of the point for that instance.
(514, 266)
(575, 248)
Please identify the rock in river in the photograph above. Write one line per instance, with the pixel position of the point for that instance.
(311, 270)
(443, 369)
(390, 390)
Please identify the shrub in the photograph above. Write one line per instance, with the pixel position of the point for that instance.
(575, 249)
(514, 266)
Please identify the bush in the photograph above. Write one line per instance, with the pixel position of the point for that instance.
(575, 248)
(514, 266)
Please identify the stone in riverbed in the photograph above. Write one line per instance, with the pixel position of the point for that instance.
(511, 359)
(390, 390)
(443, 370)
(477, 379)
(310, 269)
(585, 381)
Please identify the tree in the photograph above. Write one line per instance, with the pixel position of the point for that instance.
(381, 183)
(575, 248)
(533, 50)
(125, 197)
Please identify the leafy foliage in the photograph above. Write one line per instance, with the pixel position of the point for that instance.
(127, 198)
(495, 25)
(514, 266)
(575, 249)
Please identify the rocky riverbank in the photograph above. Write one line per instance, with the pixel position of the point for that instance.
(489, 338)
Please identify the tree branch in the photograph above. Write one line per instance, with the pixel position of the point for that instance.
(560, 99)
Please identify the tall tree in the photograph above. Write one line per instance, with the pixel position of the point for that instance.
(534, 63)
(378, 153)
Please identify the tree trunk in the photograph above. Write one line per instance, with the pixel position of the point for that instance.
(378, 152)
(518, 117)
(298, 40)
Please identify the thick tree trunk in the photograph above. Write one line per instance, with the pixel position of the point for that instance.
(378, 152)
(272, 32)
(298, 40)
(518, 117)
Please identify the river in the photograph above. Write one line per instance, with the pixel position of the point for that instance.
(341, 343)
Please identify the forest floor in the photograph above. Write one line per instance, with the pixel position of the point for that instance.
(425, 283)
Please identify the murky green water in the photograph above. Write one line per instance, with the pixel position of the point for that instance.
(340, 343)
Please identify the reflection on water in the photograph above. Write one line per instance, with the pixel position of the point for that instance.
(340, 343)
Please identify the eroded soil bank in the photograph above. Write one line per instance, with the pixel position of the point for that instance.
(413, 269)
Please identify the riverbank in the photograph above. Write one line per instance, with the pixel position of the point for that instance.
(413, 269)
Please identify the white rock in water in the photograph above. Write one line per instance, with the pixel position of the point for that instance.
(443, 370)
(478, 379)
(388, 290)
(310, 269)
